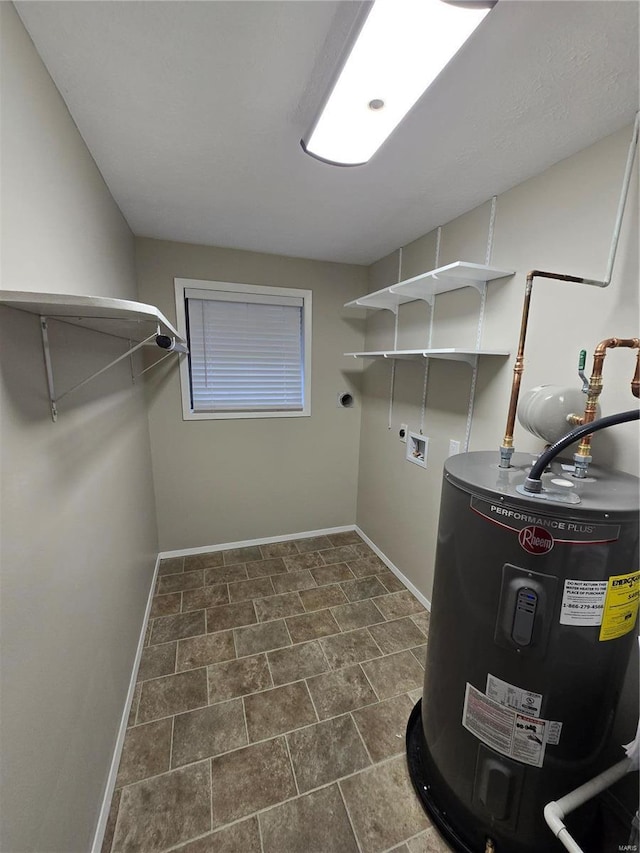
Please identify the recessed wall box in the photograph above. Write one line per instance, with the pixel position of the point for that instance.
(417, 449)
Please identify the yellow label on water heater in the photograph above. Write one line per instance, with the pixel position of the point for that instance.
(620, 606)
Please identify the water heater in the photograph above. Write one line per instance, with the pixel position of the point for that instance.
(533, 613)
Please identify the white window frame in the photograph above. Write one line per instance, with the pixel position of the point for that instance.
(182, 284)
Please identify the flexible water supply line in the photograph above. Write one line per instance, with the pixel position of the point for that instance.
(533, 483)
(556, 811)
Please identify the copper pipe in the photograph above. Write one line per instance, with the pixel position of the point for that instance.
(506, 450)
(575, 420)
(518, 368)
(595, 384)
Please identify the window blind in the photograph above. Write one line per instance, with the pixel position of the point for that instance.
(246, 352)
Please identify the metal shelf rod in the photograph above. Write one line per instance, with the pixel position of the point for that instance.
(44, 328)
(107, 366)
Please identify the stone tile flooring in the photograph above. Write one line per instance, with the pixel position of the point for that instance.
(271, 706)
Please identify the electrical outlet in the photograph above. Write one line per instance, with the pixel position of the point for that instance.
(402, 433)
(454, 447)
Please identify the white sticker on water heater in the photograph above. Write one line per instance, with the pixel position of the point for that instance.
(583, 602)
(529, 740)
(554, 732)
(519, 736)
(489, 721)
(513, 697)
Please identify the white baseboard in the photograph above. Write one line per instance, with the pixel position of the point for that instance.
(115, 761)
(122, 730)
(265, 540)
(396, 571)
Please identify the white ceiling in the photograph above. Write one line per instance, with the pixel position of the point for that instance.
(194, 111)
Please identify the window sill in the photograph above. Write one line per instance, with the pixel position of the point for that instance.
(218, 416)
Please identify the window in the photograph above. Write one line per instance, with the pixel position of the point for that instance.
(249, 350)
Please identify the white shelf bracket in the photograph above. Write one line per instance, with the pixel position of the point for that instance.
(392, 308)
(472, 360)
(418, 297)
(480, 286)
(44, 329)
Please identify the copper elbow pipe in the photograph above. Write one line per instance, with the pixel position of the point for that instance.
(518, 368)
(595, 383)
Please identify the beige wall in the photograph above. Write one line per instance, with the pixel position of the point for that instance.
(561, 221)
(78, 519)
(78, 503)
(222, 481)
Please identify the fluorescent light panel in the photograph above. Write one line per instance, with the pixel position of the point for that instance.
(401, 49)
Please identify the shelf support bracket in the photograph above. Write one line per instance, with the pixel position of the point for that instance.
(392, 308)
(115, 361)
(472, 360)
(155, 363)
(131, 364)
(480, 286)
(418, 297)
(44, 329)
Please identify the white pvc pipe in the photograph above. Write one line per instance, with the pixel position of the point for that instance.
(555, 812)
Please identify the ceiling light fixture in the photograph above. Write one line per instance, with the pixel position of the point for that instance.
(402, 47)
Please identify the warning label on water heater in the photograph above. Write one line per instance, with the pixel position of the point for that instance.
(620, 606)
(513, 697)
(582, 602)
(612, 604)
(518, 736)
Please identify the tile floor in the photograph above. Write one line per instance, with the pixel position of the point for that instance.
(271, 706)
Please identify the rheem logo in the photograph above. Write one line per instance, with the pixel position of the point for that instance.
(535, 540)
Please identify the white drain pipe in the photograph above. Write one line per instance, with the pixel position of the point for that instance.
(555, 812)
